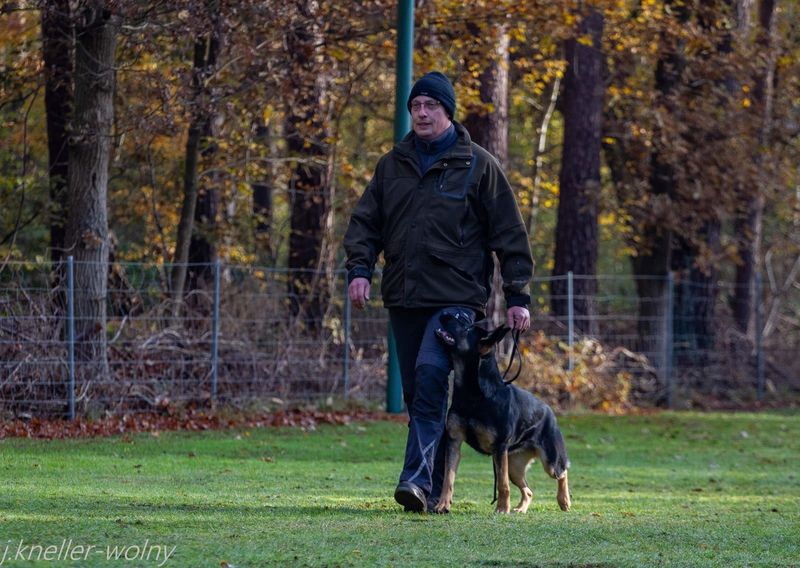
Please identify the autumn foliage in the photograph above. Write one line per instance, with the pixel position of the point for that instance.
(243, 132)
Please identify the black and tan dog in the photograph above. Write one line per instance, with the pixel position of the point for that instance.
(497, 419)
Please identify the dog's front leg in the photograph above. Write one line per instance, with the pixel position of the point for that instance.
(503, 489)
(563, 498)
(452, 457)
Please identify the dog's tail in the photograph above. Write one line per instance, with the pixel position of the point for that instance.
(554, 450)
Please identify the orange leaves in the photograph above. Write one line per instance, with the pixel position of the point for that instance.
(192, 420)
(603, 379)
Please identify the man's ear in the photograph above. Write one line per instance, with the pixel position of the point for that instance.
(486, 344)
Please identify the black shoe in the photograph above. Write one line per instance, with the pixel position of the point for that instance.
(410, 497)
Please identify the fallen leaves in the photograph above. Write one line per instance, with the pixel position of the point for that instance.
(191, 420)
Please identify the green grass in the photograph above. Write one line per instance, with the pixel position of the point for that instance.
(661, 490)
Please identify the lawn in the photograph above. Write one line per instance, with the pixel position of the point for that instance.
(672, 489)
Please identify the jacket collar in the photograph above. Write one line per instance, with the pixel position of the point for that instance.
(461, 149)
(439, 144)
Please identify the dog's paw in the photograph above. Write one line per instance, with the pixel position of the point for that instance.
(502, 510)
(564, 502)
(441, 509)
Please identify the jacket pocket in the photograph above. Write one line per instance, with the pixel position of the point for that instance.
(454, 276)
(454, 183)
(392, 280)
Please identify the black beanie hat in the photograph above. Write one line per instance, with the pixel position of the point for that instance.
(436, 86)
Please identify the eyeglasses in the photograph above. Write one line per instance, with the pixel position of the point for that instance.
(429, 105)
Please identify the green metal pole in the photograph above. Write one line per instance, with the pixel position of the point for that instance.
(402, 124)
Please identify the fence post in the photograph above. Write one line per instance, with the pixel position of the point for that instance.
(346, 364)
(571, 319)
(668, 337)
(71, 333)
(215, 332)
(759, 339)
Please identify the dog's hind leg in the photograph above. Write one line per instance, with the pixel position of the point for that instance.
(563, 498)
(518, 464)
(503, 491)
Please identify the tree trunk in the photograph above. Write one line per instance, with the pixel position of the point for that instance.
(695, 298)
(206, 51)
(653, 260)
(57, 48)
(262, 202)
(186, 223)
(749, 223)
(490, 130)
(89, 156)
(696, 291)
(306, 131)
(262, 210)
(202, 246)
(576, 229)
(538, 156)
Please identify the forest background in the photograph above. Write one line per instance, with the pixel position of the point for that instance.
(643, 138)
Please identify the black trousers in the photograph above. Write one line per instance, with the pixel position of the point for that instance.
(424, 368)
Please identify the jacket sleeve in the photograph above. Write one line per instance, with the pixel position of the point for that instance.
(507, 235)
(363, 241)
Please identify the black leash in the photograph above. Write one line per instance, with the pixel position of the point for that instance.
(514, 351)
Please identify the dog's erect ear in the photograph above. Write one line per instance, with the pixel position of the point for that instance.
(445, 337)
(487, 343)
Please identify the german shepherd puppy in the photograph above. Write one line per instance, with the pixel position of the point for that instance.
(497, 419)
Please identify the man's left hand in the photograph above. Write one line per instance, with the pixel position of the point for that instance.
(518, 317)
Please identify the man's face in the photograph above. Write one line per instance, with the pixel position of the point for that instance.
(428, 123)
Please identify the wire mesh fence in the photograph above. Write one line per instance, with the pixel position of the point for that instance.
(243, 336)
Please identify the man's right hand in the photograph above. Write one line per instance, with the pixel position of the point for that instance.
(359, 292)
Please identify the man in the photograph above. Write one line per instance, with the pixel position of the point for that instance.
(437, 206)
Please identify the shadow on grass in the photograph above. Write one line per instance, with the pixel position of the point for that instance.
(518, 564)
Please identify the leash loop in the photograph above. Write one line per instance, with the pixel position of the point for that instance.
(515, 351)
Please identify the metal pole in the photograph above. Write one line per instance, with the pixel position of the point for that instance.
(571, 319)
(346, 364)
(668, 339)
(402, 123)
(405, 67)
(759, 340)
(215, 332)
(71, 333)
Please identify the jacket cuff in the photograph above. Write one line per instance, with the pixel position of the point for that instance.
(522, 300)
(359, 272)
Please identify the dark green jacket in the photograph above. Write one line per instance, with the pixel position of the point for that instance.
(436, 231)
